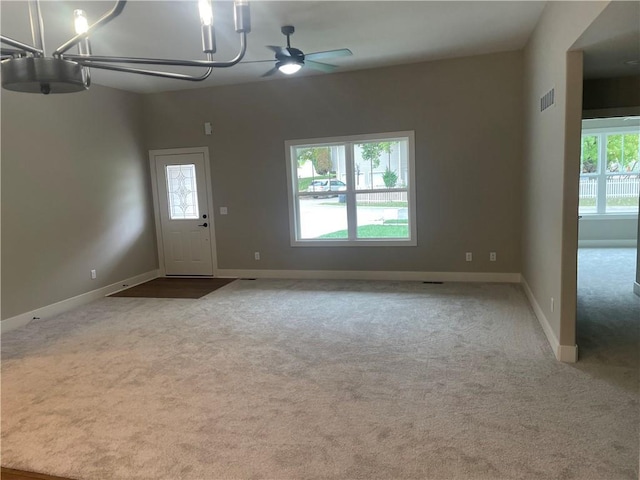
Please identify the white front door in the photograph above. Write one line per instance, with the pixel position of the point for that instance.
(185, 228)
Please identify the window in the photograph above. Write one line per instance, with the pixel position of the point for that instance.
(182, 192)
(356, 190)
(610, 170)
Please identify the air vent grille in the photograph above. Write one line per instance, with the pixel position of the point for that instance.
(548, 100)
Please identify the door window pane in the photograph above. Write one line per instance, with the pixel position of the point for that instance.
(182, 192)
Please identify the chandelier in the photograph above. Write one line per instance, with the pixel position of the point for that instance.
(27, 68)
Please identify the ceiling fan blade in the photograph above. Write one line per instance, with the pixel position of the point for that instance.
(279, 50)
(323, 67)
(270, 72)
(343, 52)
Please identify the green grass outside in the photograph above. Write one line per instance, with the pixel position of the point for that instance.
(367, 204)
(397, 222)
(373, 231)
(384, 204)
(611, 202)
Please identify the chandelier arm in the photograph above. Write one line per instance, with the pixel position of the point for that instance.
(113, 13)
(37, 25)
(88, 60)
(10, 52)
(152, 73)
(20, 45)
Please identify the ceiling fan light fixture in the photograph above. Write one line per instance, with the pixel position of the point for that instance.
(289, 68)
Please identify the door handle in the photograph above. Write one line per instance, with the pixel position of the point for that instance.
(205, 224)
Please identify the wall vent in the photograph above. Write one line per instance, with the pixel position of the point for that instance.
(548, 100)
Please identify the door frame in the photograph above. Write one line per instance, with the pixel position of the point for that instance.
(156, 202)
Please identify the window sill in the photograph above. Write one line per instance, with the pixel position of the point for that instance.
(354, 243)
(608, 216)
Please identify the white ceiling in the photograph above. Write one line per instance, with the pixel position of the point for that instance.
(380, 33)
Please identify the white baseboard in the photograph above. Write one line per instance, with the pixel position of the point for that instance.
(373, 275)
(567, 353)
(607, 243)
(564, 353)
(636, 288)
(73, 302)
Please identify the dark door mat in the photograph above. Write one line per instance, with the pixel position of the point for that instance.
(12, 474)
(175, 288)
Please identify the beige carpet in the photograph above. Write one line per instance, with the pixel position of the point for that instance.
(313, 379)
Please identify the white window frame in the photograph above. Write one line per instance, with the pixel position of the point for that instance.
(601, 174)
(351, 192)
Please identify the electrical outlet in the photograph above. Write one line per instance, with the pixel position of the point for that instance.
(552, 304)
(469, 256)
(492, 256)
(94, 275)
(256, 255)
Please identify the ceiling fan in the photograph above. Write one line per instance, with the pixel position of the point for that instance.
(289, 59)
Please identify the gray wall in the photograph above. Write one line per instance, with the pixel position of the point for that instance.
(467, 118)
(638, 258)
(551, 153)
(75, 195)
(612, 230)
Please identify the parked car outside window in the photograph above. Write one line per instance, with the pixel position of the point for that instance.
(327, 185)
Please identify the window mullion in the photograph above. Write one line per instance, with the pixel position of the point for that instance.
(352, 219)
(602, 174)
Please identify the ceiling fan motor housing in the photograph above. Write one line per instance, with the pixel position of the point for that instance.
(294, 53)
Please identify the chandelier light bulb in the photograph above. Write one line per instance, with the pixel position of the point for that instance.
(206, 12)
(80, 21)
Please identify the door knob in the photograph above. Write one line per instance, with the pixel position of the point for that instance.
(205, 224)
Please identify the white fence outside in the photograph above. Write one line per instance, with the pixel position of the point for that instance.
(619, 186)
(382, 197)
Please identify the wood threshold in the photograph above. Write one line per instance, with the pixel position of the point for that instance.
(13, 474)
